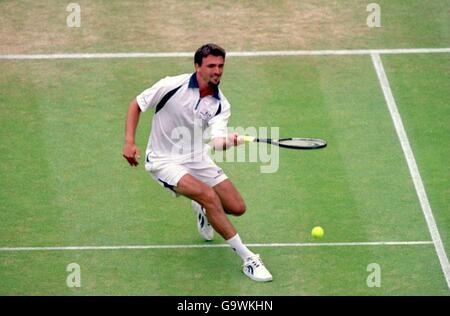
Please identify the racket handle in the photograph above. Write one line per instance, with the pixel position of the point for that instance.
(246, 138)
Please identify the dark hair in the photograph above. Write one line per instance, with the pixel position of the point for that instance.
(206, 50)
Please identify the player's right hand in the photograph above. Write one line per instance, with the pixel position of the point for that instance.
(131, 153)
(235, 139)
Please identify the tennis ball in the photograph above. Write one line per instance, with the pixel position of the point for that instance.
(317, 232)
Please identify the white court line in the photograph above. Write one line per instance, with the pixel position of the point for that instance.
(412, 165)
(231, 54)
(143, 247)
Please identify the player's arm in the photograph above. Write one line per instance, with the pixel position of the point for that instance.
(223, 143)
(130, 150)
(220, 138)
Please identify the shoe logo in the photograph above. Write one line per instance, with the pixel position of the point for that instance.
(202, 220)
(249, 269)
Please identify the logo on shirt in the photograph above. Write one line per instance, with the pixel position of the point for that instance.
(205, 115)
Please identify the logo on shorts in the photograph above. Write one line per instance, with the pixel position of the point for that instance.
(219, 173)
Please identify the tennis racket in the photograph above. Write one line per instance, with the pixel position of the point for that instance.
(293, 143)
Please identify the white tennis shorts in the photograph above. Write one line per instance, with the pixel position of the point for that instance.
(167, 174)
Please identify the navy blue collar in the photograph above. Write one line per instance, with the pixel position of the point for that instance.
(193, 83)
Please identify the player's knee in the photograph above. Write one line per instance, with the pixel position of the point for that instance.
(210, 197)
(238, 209)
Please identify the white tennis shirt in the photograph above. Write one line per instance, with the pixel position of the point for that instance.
(183, 122)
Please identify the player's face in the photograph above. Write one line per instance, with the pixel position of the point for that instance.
(211, 69)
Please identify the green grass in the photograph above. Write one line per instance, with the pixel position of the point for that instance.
(420, 86)
(307, 271)
(72, 187)
(173, 25)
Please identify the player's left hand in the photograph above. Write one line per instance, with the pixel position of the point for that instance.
(131, 154)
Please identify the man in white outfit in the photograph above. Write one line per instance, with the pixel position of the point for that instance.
(177, 156)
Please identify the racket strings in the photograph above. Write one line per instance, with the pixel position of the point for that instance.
(297, 142)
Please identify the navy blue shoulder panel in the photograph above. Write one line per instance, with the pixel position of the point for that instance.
(166, 98)
(219, 109)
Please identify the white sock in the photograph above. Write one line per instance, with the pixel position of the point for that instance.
(237, 245)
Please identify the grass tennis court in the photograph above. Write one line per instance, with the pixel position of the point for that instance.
(63, 181)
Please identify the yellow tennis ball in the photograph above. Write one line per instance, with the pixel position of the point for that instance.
(317, 232)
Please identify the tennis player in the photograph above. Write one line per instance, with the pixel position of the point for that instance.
(177, 154)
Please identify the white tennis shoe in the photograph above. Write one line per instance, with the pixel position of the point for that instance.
(203, 226)
(254, 268)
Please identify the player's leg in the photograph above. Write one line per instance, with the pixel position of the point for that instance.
(208, 198)
(231, 200)
(194, 189)
(234, 204)
(226, 199)
(209, 173)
